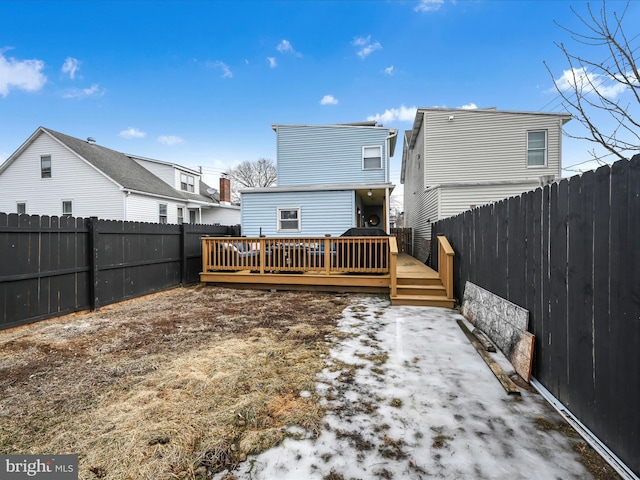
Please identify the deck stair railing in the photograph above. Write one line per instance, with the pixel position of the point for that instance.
(320, 255)
(445, 264)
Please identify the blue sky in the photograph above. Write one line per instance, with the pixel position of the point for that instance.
(201, 82)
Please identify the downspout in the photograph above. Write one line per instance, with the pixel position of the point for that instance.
(126, 201)
(387, 208)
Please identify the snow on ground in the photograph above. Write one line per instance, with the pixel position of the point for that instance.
(410, 398)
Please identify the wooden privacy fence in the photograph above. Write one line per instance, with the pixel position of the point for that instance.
(570, 254)
(324, 255)
(52, 266)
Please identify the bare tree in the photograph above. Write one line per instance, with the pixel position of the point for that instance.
(261, 173)
(589, 88)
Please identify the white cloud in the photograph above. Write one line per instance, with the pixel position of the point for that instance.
(272, 62)
(429, 5)
(71, 66)
(402, 114)
(589, 82)
(170, 139)
(285, 47)
(469, 106)
(389, 70)
(329, 100)
(132, 133)
(368, 47)
(21, 74)
(226, 71)
(93, 91)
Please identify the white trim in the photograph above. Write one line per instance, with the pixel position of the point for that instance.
(379, 147)
(546, 148)
(278, 219)
(65, 200)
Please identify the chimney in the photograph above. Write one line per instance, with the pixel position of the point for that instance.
(225, 190)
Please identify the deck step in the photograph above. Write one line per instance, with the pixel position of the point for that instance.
(428, 290)
(417, 280)
(422, 301)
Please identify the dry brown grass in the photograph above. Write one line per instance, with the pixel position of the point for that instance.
(174, 385)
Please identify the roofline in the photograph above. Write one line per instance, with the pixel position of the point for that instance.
(171, 164)
(21, 149)
(319, 188)
(366, 124)
(493, 110)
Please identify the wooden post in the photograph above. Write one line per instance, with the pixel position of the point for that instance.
(94, 238)
(393, 258)
(183, 255)
(445, 264)
(263, 254)
(327, 255)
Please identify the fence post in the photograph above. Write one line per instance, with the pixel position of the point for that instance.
(183, 255)
(94, 239)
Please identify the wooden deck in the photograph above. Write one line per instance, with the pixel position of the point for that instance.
(405, 279)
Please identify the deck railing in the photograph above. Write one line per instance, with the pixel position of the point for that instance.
(445, 264)
(321, 255)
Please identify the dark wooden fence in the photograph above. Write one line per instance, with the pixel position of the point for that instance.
(570, 254)
(404, 237)
(52, 266)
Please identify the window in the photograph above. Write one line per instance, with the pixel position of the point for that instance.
(162, 213)
(21, 208)
(288, 219)
(67, 208)
(45, 166)
(371, 158)
(180, 215)
(537, 148)
(187, 182)
(193, 217)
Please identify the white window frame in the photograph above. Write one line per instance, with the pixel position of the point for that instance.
(187, 182)
(45, 173)
(365, 157)
(69, 212)
(162, 216)
(537, 149)
(280, 219)
(180, 212)
(24, 207)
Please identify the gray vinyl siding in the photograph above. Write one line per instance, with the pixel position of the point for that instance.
(73, 179)
(325, 154)
(425, 216)
(321, 212)
(486, 145)
(455, 200)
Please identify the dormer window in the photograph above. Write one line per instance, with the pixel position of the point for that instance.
(372, 158)
(187, 182)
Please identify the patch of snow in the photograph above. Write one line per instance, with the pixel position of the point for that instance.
(409, 397)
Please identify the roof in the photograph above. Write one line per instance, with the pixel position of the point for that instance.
(122, 169)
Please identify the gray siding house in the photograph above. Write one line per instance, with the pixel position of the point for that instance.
(55, 174)
(330, 178)
(456, 159)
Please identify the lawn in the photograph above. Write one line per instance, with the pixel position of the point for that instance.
(179, 384)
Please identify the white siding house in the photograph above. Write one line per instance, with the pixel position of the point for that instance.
(330, 178)
(456, 159)
(55, 174)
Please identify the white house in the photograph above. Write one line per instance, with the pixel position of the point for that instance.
(55, 174)
(330, 178)
(456, 159)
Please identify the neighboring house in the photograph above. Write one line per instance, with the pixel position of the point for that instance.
(455, 159)
(330, 178)
(55, 174)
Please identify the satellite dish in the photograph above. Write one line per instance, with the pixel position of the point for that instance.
(212, 191)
